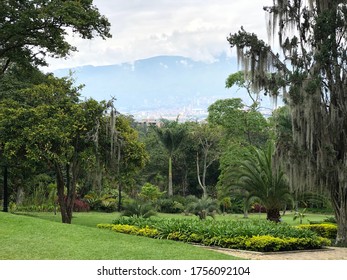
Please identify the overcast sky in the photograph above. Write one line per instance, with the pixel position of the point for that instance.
(145, 28)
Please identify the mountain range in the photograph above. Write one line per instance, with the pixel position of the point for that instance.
(161, 85)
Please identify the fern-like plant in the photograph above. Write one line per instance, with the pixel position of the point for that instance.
(262, 180)
(204, 207)
(139, 209)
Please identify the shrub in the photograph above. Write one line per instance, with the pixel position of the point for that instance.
(168, 205)
(80, 206)
(257, 208)
(93, 200)
(129, 229)
(150, 192)
(125, 229)
(265, 243)
(324, 230)
(204, 207)
(105, 226)
(108, 204)
(138, 209)
(148, 232)
(331, 220)
(178, 236)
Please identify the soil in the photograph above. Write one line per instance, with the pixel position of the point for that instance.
(327, 253)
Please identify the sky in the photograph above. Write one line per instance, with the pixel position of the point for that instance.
(141, 29)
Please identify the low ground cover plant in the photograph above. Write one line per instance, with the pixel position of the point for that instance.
(325, 230)
(259, 235)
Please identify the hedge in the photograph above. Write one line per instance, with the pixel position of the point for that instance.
(324, 230)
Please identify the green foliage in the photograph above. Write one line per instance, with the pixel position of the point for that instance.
(129, 229)
(139, 209)
(247, 126)
(309, 74)
(331, 220)
(324, 230)
(33, 30)
(203, 207)
(299, 215)
(170, 205)
(248, 235)
(150, 192)
(263, 181)
(225, 204)
(238, 79)
(170, 134)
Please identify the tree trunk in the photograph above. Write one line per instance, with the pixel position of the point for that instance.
(201, 183)
(339, 202)
(273, 215)
(5, 202)
(61, 197)
(66, 202)
(170, 190)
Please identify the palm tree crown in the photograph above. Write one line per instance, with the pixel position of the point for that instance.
(263, 181)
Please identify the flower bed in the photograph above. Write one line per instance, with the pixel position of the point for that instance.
(262, 236)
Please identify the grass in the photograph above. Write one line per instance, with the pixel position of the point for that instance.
(30, 238)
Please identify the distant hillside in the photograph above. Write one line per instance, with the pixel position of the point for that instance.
(163, 82)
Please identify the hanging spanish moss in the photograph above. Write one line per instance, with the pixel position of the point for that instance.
(313, 77)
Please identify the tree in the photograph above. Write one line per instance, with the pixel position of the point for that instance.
(119, 153)
(245, 129)
(208, 140)
(248, 126)
(150, 192)
(311, 72)
(49, 123)
(238, 79)
(265, 182)
(170, 135)
(32, 30)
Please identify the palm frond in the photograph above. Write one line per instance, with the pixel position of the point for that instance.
(262, 180)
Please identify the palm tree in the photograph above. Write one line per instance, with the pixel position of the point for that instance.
(203, 207)
(262, 180)
(170, 134)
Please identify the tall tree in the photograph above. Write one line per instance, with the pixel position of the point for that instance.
(241, 123)
(32, 30)
(312, 73)
(170, 134)
(208, 140)
(48, 122)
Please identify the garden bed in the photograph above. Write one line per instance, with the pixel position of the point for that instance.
(261, 236)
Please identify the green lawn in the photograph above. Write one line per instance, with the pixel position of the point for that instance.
(91, 219)
(30, 238)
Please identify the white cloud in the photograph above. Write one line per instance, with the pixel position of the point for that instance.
(164, 65)
(143, 28)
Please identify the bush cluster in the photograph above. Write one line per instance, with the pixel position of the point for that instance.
(128, 229)
(81, 206)
(105, 202)
(324, 230)
(263, 236)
